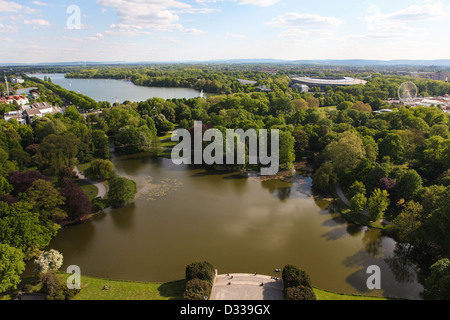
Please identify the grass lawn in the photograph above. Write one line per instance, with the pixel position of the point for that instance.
(327, 295)
(88, 188)
(92, 289)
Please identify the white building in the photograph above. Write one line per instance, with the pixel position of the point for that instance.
(17, 80)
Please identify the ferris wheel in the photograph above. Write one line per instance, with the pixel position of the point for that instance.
(407, 92)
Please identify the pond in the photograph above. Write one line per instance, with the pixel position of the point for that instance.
(184, 214)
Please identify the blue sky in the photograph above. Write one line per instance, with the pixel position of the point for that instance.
(180, 30)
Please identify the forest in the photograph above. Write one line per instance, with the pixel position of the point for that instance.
(393, 166)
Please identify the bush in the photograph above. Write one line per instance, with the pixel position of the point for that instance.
(51, 286)
(197, 289)
(299, 293)
(200, 270)
(294, 277)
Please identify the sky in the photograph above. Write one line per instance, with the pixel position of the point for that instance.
(200, 30)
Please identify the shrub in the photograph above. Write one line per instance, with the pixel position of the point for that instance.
(294, 277)
(200, 270)
(197, 289)
(51, 286)
(300, 293)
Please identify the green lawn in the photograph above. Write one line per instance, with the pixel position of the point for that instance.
(92, 289)
(88, 188)
(327, 295)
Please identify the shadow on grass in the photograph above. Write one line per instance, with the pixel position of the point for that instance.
(172, 290)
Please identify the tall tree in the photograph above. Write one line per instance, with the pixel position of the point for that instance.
(12, 265)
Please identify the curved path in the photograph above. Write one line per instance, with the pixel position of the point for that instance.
(100, 186)
(241, 286)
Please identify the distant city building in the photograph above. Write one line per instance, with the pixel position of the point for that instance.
(440, 75)
(300, 87)
(263, 89)
(246, 82)
(17, 80)
(327, 82)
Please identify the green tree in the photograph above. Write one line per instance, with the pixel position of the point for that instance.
(437, 284)
(21, 228)
(347, 152)
(408, 221)
(324, 178)
(121, 191)
(57, 152)
(287, 153)
(377, 204)
(409, 184)
(392, 146)
(46, 200)
(101, 144)
(100, 169)
(12, 265)
(358, 202)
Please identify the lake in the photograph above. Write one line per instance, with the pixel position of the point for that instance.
(184, 214)
(117, 90)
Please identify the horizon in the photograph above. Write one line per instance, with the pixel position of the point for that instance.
(136, 31)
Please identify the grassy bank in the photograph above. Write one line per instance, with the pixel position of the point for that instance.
(92, 289)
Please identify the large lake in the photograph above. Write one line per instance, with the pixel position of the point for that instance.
(184, 214)
(117, 90)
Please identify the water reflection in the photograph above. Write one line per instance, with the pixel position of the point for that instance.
(372, 241)
(123, 219)
(402, 265)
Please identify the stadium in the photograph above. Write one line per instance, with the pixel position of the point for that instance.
(327, 82)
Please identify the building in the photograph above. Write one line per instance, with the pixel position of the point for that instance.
(39, 110)
(18, 115)
(17, 80)
(263, 89)
(322, 83)
(21, 100)
(441, 76)
(300, 87)
(247, 82)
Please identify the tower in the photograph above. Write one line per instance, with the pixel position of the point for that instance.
(7, 86)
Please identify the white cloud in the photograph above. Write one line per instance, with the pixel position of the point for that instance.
(400, 20)
(43, 4)
(8, 28)
(10, 6)
(298, 20)
(37, 23)
(140, 15)
(259, 3)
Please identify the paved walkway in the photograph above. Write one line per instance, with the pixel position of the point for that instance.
(240, 286)
(100, 186)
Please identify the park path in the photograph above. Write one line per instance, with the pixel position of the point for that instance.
(100, 186)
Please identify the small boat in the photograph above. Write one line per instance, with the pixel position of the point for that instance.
(277, 270)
